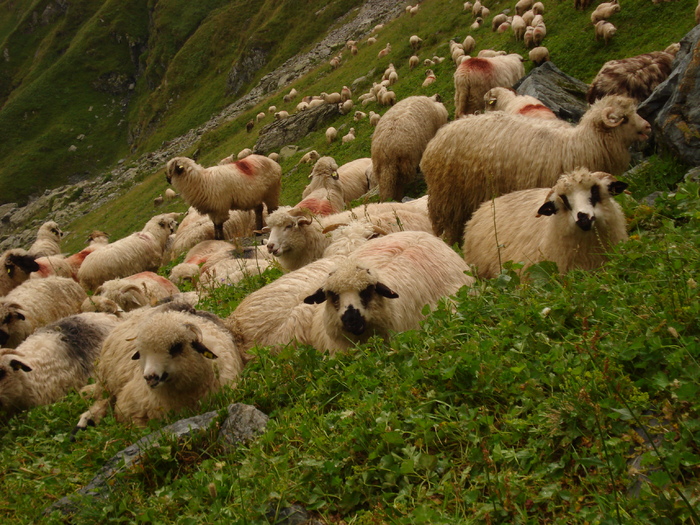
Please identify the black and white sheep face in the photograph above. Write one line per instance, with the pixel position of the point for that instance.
(10, 315)
(582, 199)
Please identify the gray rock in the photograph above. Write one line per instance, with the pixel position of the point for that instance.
(295, 127)
(561, 93)
(673, 109)
(292, 515)
(244, 422)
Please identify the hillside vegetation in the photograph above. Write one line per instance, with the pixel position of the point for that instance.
(566, 399)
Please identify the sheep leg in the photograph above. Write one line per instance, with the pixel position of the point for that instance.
(93, 416)
(259, 217)
(218, 231)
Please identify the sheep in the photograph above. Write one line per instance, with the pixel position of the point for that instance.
(581, 223)
(538, 8)
(374, 118)
(414, 10)
(290, 96)
(139, 252)
(189, 268)
(476, 24)
(279, 115)
(359, 115)
(489, 53)
(52, 362)
(352, 177)
(169, 194)
(371, 40)
(605, 30)
(636, 77)
(331, 98)
(399, 140)
(476, 8)
(35, 303)
(313, 155)
(244, 185)
(165, 359)
(539, 55)
(506, 99)
(429, 78)
(272, 156)
(384, 52)
(302, 106)
(497, 21)
(69, 266)
(346, 107)
(468, 44)
(487, 164)
(48, 240)
(413, 62)
(604, 11)
(415, 42)
(158, 201)
(230, 267)
(522, 6)
(135, 291)
(475, 76)
(529, 36)
(260, 116)
(345, 94)
(272, 110)
(249, 126)
(331, 134)
(518, 26)
(349, 137)
(538, 34)
(16, 266)
(325, 193)
(380, 289)
(388, 98)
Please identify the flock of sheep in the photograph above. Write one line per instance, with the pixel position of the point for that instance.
(350, 273)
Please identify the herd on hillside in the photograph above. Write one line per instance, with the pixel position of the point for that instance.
(506, 180)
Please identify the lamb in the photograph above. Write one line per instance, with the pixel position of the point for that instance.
(349, 137)
(475, 76)
(245, 185)
(36, 303)
(48, 240)
(135, 291)
(139, 252)
(380, 289)
(539, 55)
(507, 99)
(605, 30)
(581, 224)
(325, 195)
(636, 77)
(488, 164)
(16, 266)
(399, 140)
(604, 11)
(164, 359)
(52, 362)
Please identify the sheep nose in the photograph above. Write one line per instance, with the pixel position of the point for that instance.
(584, 221)
(353, 321)
(154, 380)
(271, 247)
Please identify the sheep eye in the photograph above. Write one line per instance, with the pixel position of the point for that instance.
(334, 299)
(176, 349)
(8, 319)
(565, 200)
(288, 227)
(595, 195)
(366, 295)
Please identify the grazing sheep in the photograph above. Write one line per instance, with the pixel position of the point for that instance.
(468, 44)
(604, 11)
(48, 240)
(345, 94)
(272, 109)
(16, 265)
(52, 362)
(518, 26)
(388, 98)
(636, 77)
(135, 291)
(335, 62)
(243, 185)
(260, 116)
(489, 164)
(522, 6)
(413, 62)
(158, 201)
(249, 125)
(36, 303)
(507, 99)
(605, 30)
(399, 140)
(381, 289)
(374, 118)
(325, 193)
(169, 194)
(139, 252)
(528, 38)
(497, 21)
(349, 137)
(311, 156)
(290, 96)
(164, 359)
(538, 8)
(475, 76)
(415, 42)
(279, 115)
(574, 224)
(331, 134)
(538, 34)
(384, 52)
(539, 55)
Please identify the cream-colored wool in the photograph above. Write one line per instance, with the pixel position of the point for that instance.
(139, 252)
(135, 291)
(36, 303)
(52, 362)
(16, 266)
(48, 240)
(227, 271)
(399, 140)
(605, 30)
(506, 99)
(583, 225)
(244, 185)
(325, 192)
(538, 55)
(189, 269)
(352, 176)
(523, 5)
(478, 156)
(475, 76)
(604, 11)
(69, 266)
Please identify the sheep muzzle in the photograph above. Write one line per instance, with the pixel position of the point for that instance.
(353, 321)
(154, 380)
(584, 221)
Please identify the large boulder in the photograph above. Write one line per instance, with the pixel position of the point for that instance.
(673, 109)
(290, 129)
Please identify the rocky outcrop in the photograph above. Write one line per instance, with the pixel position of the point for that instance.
(288, 130)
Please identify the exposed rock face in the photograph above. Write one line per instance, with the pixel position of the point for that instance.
(673, 109)
(564, 95)
(288, 130)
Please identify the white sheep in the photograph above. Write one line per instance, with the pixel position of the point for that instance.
(539, 55)
(489, 53)
(574, 224)
(331, 134)
(497, 20)
(359, 115)
(48, 240)
(52, 362)
(279, 115)
(495, 159)
(260, 116)
(189, 268)
(415, 41)
(244, 185)
(518, 26)
(475, 76)
(226, 268)
(302, 106)
(16, 266)
(349, 137)
(538, 34)
(311, 156)
(538, 8)
(399, 140)
(36, 303)
(164, 359)
(413, 62)
(139, 252)
(375, 117)
(384, 52)
(69, 266)
(169, 194)
(331, 98)
(605, 11)
(290, 96)
(605, 30)
(325, 195)
(476, 24)
(352, 176)
(345, 94)
(135, 291)
(507, 99)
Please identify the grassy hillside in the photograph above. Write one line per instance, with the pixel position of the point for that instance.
(567, 399)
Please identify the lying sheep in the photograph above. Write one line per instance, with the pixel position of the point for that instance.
(226, 268)
(349, 137)
(36, 303)
(636, 77)
(48, 240)
(164, 359)
(52, 362)
(189, 268)
(16, 266)
(139, 252)
(325, 192)
(381, 289)
(399, 140)
(574, 224)
(507, 99)
(475, 76)
(490, 164)
(135, 291)
(244, 185)
(310, 156)
(69, 266)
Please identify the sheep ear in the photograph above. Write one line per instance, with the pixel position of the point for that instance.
(199, 347)
(19, 365)
(195, 330)
(265, 229)
(610, 118)
(316, 298)
(616, 187)
(136, 356)
(304, 221)
(548, 208)
(385, 291)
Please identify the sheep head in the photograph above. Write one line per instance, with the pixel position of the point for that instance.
(617, 113)
(10, 313)
(17, 261)
(287, 230)
(176, 166)
(12, 395)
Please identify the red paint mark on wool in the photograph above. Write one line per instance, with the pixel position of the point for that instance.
(535, 109)
(245, 167)
(476, 64)
(316, 206)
